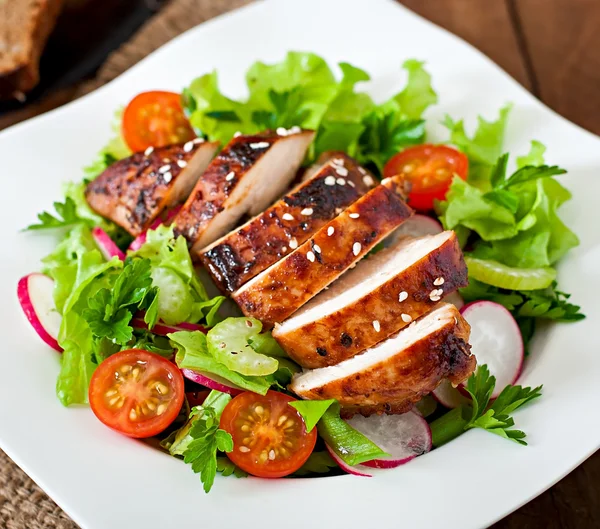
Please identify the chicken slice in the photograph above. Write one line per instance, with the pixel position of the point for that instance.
(245, 177)
(134, 191)
(244, 253)
(374, 300)
(279, 291)
(399, 371)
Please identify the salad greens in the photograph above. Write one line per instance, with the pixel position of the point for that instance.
(302, 91)
(495, 417)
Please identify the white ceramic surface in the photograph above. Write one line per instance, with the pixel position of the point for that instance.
(105, 481)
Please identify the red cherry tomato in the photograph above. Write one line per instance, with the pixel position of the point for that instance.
(155, 119)
(269, 437)
(137, 393)
(196, 398)
(430, 170)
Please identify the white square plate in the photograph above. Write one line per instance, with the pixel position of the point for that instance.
(104, 480)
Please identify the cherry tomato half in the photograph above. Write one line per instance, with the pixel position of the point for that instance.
(269, 437)
(196, 398)
(155, 119)
(430, 170)
(137, 393)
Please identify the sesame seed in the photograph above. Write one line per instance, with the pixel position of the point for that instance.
(287, 216)
(166, 160)
(402, 296)
(167, 177)
(435, 298)
(341, 182)
(439, 281)
(310, 256)
(149, 151)
(237, 134)
(436, 294)
(330, 181)
(244, 449)
(188, 146)
(307, 211)
(191, 233)
(338, 161)
(406, 318)
(164, 169)
(230, 176)
(338, 210)
(293, 244)
(260, 145)
(354, 215)
(376, 326)
(368, 180)
(356, 248)
(282, 131)
(198, 140)
(294, 130)
(284, 249)
(316, 248)
(351, 183)
(362, 171)
(330, 230)
(181, 163)
(342, 171)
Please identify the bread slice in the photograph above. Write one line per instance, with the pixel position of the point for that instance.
(282, 289)
(134, 191)
(383, 294)
(24, 29)
(242, 254)
(399, 371)
(245, 177)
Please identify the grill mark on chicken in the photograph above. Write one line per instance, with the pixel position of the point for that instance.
(276, 293)
(371, 293)
(133, 191)
(242, 254)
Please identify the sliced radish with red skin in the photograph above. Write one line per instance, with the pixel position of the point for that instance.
(495, 341)
(35, 296)
(163, 329)
(212, 381)
(106, 245)
(357, 470)
(449, 396)
(404, 437)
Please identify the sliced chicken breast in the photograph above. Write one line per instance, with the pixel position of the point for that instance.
(134, 191)
(244, 253)
(275, 294)
(399, 371)
(383, 294)
(245, 177)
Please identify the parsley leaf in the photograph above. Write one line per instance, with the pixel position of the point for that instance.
(66, 215)
(207, 439)
(110, 310)
(227, 468)
(495, 418)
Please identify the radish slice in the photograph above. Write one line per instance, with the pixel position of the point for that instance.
(106, 245)
(139, 241)
(163, 329)
(426, 406)
(496, 341)
(404, 437)
(456, 299)
(449, 396)
(212, 381)
(357, 470)
(35, 296)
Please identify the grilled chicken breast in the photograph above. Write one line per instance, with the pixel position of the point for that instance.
(399, 371)
(245, 177)
(275, 294)
(244, 253)
(134, 191)
(374, 300)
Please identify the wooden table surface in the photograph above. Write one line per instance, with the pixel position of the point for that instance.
(552, 47)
